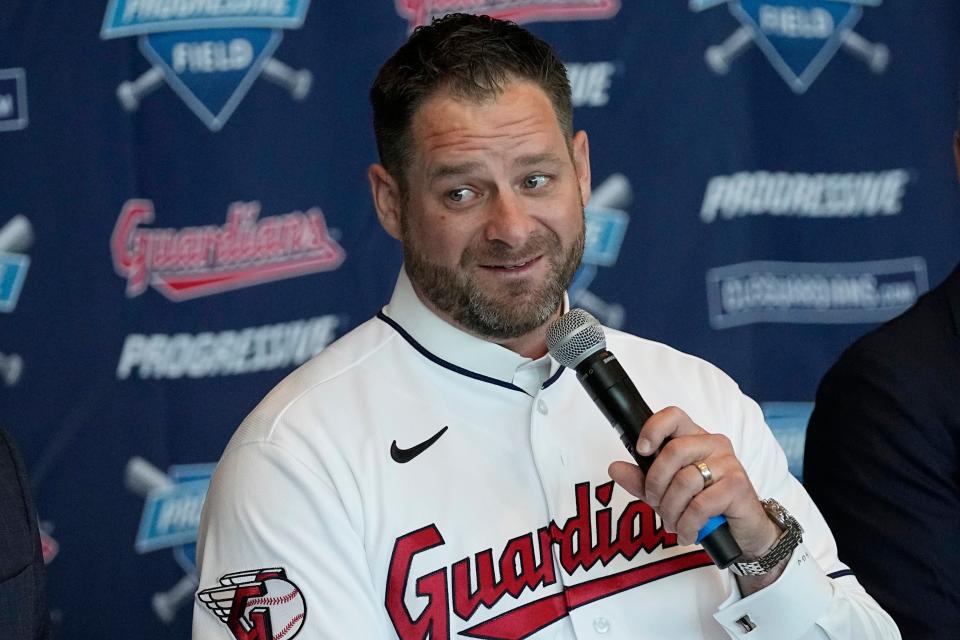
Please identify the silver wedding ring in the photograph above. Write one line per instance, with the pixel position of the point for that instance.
(705, 473)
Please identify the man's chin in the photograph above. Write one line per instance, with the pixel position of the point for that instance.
(511, 317)
(507, 288)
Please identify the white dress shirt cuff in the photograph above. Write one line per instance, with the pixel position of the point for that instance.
(784, 610)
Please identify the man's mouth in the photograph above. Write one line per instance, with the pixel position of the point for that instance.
(517, 265)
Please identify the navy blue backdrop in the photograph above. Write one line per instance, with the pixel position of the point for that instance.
(185, 218)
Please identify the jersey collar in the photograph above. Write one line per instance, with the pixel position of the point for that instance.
(460, 351)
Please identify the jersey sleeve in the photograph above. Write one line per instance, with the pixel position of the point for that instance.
(817, 596)
(274, 529)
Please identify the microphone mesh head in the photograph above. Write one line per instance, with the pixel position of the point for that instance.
(574, 336)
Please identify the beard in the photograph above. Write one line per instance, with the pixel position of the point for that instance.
(519, 307)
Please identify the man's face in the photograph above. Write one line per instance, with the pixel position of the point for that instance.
(492, 228)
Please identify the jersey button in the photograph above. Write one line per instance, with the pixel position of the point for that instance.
(601, 625)
(542, 406)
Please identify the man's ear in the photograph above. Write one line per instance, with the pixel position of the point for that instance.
(386, 198)
(581, 162)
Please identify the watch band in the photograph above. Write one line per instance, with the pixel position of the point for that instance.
(791, 537)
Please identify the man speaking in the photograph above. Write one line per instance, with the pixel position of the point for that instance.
(434, 474)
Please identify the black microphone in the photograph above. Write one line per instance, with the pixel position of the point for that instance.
(576, 341)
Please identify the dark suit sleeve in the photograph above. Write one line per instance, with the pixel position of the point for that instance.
(881, 463)
(23, 607)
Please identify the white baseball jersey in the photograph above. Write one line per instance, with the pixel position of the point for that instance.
(413, 481)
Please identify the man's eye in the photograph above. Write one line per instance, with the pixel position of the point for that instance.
(461, 195)
(535, 182)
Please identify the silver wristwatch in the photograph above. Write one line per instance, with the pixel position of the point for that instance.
(792, 536)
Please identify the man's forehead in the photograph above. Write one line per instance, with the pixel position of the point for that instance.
(520, 116)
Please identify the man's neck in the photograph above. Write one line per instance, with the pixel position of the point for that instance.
(530, 345)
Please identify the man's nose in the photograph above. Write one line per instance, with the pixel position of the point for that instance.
(508, 220)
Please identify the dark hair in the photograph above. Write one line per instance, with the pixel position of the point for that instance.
(471, 56)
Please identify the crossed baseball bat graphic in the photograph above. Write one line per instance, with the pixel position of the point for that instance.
(141, 478)
(718, 57)
(296, 81)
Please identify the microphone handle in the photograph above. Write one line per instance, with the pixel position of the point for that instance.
(618, 399)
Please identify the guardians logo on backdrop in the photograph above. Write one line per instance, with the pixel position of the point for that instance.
(210, 53)
(199, 261)
(798, 37)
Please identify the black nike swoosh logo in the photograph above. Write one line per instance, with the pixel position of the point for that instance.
(406, 455)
